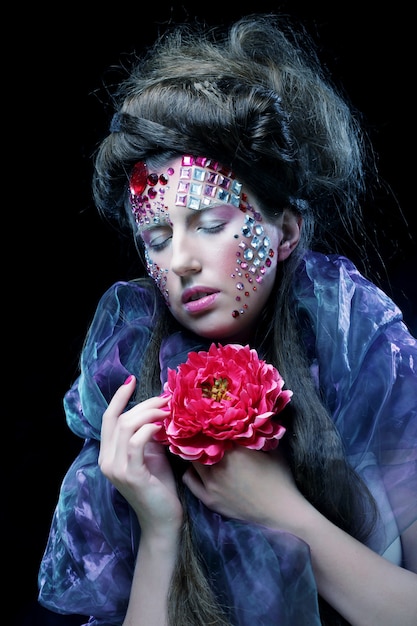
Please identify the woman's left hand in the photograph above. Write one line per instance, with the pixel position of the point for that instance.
(250, 485)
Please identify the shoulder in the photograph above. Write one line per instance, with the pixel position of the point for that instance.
(318, 266)
(134, 292)
(128, 301)
(117, 338)
(332, 283)
(124, 317)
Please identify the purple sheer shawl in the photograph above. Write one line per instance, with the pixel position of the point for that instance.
(364, 360)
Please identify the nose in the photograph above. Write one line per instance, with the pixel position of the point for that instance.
(185, 256)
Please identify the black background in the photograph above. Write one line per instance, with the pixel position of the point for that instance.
(70, 256)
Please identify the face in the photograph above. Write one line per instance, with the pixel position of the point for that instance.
(208, 248)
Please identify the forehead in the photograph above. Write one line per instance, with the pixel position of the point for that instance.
(202, 181)
(192, 182)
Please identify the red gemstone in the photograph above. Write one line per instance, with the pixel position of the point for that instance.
(138, 179)
(152, 179)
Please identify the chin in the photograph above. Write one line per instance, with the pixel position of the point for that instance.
(214, 327)
(229, 335)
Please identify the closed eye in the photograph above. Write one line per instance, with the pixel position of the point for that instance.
(215, 228)
(157, 241)
(157, 238)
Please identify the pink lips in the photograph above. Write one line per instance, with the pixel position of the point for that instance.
(197, 299)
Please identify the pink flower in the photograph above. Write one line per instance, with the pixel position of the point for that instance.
(220, 398)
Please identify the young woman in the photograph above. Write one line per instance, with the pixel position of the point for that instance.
(231, 157)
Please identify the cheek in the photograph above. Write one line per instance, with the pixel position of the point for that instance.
(254, 265)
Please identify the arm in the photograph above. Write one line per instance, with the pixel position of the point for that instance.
(139, 469)
(364, 587)
(258, 487)
(151, 581)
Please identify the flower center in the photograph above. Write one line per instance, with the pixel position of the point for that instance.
(218, 391)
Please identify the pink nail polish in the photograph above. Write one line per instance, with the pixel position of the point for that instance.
(128, 379)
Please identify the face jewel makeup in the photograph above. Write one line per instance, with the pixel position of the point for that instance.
(203, 182)
(147, 193)
(252, 259)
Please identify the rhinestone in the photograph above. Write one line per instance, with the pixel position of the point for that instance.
(185, 172)
(209, 190)
(196, 188)
(138, 179)
(180, 199)
(223, 195)
(199, 174)
(152, 179)
(193, 203)
(212, 178)
(236, 187)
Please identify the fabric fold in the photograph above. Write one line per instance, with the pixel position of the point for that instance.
(363, 361)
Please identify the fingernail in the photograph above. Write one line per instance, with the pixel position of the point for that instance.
(128, 379)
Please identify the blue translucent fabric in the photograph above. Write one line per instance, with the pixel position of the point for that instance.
(363, 359)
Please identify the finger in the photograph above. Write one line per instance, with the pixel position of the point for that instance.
(126, 429)
(139, 446)
(121, 397)
(150, 410)
(116, 406)
(193, 481)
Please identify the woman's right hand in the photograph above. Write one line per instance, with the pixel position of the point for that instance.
(138, 466)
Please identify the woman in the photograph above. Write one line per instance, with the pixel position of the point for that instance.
(230, 158)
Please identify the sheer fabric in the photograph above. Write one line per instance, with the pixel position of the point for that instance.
(363, 359)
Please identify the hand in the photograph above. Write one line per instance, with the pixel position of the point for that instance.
(137, 466)
(250, 485)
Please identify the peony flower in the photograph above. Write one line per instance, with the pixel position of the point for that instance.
(221, 398)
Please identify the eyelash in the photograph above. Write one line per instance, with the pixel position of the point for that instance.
(157, 247)
(212, 230)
